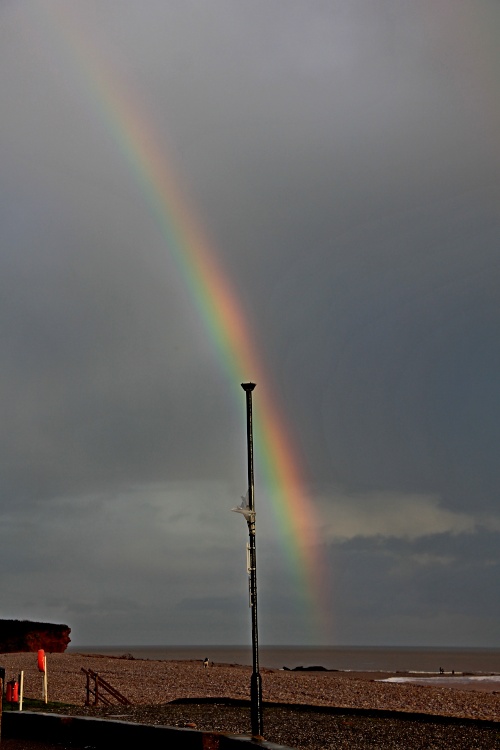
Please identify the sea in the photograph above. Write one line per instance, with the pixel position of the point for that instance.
(466, 662)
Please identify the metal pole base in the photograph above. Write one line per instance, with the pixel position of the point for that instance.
(256, 706)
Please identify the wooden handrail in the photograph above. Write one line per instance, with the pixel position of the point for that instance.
(101, 684)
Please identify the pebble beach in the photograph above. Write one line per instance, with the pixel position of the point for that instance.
(153, 686)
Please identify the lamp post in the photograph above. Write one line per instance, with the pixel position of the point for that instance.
(256, 681)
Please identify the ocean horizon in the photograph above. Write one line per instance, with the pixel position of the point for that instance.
(473, 661)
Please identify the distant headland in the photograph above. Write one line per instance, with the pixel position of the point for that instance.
(25, 635)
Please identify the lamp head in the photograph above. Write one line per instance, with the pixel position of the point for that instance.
(248, 386)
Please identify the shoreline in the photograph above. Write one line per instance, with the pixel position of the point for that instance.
(155, 683)
(304, 710)
(390, 659)
(488, 682)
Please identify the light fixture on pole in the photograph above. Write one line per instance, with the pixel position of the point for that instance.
(247, 508)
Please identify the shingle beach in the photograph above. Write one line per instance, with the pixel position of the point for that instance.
(151, 686)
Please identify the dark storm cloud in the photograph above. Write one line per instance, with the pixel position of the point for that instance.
(405, 396)
(342, 159)
(442, 585)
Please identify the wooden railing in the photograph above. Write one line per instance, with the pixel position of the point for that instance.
(101, 690)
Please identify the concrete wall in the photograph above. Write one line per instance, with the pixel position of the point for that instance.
(103, 733)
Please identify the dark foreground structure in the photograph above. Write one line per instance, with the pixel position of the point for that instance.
(219, 727)
(86, 732)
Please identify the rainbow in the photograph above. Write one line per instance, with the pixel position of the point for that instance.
(218, 308)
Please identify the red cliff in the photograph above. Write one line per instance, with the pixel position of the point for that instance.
(24, 635)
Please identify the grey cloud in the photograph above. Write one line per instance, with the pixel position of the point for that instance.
(439, 585)
(342, 161)
(204, 603)
(398, 516)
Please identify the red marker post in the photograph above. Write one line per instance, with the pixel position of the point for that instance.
(42, 666)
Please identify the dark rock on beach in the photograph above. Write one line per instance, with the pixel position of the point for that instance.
(309, 669)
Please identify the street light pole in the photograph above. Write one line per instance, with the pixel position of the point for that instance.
(256, 681)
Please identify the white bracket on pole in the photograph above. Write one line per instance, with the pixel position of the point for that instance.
(244, 509)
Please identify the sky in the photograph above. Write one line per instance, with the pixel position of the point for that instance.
(338, 165)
